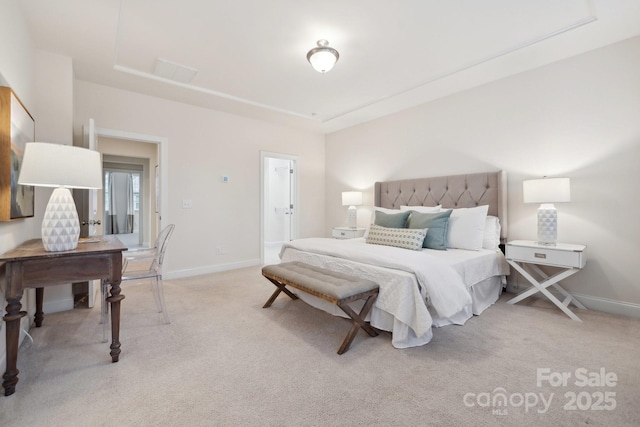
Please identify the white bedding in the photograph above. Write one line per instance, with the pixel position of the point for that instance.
(409, 281)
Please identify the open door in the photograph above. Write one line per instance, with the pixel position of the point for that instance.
(92, 218)
(278, 206)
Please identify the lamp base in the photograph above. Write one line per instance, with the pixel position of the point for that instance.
(352, 217)
(547, 224)
(60, 226)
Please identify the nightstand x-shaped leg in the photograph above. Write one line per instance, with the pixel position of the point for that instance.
(542, 288)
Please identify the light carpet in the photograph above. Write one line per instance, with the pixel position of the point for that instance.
(226, 361)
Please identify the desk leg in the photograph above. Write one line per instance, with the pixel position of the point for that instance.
(12, 319)
(39, 316)
(114, 299)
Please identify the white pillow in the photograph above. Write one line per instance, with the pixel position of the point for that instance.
(491, 233)
(466, 228)
(421, 209)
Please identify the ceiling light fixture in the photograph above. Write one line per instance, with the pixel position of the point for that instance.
(323, 57)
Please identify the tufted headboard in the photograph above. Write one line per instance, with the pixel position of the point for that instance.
(454, 191)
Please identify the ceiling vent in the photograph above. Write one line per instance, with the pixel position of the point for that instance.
(172, 71)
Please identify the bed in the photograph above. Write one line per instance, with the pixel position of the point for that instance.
(424, 288)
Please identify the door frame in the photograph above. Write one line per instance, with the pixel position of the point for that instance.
(296, 202)
(143, 170)
(163, 161)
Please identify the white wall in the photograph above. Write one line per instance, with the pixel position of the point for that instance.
(44, 84)
(16, 64)
(204, 145)
(579, 118)
(53, 113)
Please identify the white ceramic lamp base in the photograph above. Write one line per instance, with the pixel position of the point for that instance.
(60, 226)
(352, 217)
(547, 224)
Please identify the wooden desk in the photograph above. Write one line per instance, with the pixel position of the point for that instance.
(30, 266)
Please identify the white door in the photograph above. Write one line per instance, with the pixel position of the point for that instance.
(93, 221)
(279, 209)
(289, 200)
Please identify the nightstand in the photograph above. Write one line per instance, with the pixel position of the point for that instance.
(347, 232)
(526, 254)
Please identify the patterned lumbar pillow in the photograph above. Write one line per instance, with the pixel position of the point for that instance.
(407, 238)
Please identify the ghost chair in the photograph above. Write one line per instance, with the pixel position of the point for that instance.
(143, 264)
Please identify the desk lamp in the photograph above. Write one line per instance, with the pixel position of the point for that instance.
(61, 167)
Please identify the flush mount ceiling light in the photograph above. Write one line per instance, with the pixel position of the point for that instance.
(323, 57)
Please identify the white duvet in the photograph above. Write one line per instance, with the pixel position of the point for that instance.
(396, 271)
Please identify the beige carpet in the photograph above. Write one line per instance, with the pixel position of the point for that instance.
(224, 360)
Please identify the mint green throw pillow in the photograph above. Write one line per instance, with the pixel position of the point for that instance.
(398, 220)
(437, 223)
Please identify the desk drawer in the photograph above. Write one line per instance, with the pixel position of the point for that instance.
(546, 256)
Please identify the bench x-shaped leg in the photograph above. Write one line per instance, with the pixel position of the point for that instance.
(542, 288)
(281, 288)
(358, 322)
(358, 319)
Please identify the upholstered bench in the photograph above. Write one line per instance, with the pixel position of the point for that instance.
(337, 288)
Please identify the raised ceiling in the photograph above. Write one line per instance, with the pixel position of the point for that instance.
(250, 55)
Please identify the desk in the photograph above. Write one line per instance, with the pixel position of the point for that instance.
(30, 266)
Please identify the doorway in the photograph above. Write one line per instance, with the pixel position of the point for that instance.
(124, 211)
(127, 200)
(279, 208)
(122, 144)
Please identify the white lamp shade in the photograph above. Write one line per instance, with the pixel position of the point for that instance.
(546, 190)
(351, 198)
(56, 165)
(63, 167)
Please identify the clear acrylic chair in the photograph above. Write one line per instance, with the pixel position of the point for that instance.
(143, 264)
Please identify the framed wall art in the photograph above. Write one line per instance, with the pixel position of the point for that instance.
(17, 127)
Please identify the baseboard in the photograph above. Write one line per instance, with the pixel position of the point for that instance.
(57, 305)
(621, 308)
(180, 274)
(605, 305)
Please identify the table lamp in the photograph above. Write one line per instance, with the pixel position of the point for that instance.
(547, 191)
(61, 167)
(352, 199)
